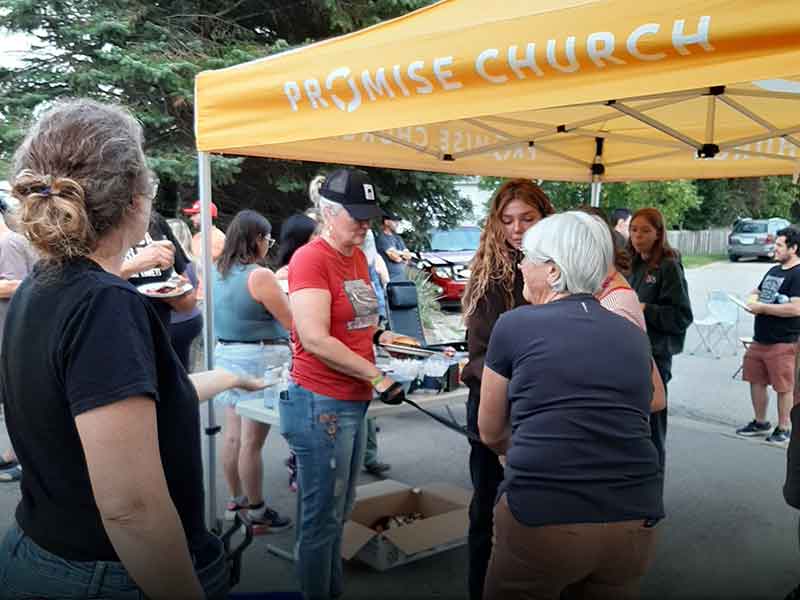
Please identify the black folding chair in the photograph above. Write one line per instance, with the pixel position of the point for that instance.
(402, 307)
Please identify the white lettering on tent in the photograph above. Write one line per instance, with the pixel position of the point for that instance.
(423, 133)
(633, 42)
(379, 86)
(680, 40)
(600, 47)
(444, 140)
(495, 65)
(292, 91)
(398, 79)
(314, 93)
(445, 75)
(517, 64)
(344, 73)
(403, 134)
(572, 65)
(426, 87)
(480, 66)
(784, 144)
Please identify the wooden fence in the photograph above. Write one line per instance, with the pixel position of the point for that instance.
(707, 241)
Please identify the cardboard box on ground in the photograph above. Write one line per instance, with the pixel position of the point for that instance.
(446, 520)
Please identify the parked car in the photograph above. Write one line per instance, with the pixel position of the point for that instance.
(447, 261)
(754, 237)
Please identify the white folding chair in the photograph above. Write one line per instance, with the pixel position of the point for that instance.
(719, 326)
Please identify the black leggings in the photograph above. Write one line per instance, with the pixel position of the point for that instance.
(658, 420)
(487, 475)
(182, 335)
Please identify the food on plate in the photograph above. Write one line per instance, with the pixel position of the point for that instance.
(393, 521)
(405, 340)
(167, 288)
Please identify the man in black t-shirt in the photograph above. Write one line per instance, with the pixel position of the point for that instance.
(770, 359)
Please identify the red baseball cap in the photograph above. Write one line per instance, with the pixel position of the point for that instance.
(194, 209)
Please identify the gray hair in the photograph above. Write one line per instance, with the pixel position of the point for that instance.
(322, 204)
(578, 244)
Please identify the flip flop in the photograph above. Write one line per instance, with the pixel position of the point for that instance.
(12, 474)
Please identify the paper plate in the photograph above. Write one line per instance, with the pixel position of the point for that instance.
(152, 289)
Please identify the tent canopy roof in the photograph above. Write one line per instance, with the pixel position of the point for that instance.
(542, 90)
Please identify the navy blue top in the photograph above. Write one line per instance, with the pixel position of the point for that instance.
(579, 393)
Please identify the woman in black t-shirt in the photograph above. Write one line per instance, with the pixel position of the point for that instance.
(103, 417)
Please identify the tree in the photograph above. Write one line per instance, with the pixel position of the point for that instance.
(145, 55)
(673, 198)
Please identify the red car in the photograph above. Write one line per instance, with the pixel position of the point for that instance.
(447, 261)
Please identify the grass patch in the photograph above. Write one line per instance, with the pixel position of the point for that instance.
(692, 261)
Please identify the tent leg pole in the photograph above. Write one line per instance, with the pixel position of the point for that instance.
(597, 187)
(204, 187)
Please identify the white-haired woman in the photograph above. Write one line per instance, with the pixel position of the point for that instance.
(582, 486)
(334, 376)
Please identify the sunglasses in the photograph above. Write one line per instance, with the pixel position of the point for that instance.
(269, 239)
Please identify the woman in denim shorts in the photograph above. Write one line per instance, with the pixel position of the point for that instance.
(251, 318)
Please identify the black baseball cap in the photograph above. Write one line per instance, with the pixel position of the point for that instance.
(352, 189)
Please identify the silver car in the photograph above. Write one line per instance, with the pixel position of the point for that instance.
(754, 237)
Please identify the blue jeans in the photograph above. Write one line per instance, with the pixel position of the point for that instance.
(29, 571)
(327, 437)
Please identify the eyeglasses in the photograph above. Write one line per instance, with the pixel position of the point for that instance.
(269, 239)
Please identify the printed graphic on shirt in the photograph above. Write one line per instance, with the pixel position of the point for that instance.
(154, 272)
(365, 304)
(769, 289)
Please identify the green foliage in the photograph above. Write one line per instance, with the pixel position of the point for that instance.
(700, 204)
(146, 54)
(427, 298)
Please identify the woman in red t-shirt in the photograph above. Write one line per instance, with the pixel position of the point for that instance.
(333, 374)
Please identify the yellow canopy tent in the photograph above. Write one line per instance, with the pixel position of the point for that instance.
(580, 90)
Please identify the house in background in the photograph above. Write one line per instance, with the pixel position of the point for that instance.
(468, 188)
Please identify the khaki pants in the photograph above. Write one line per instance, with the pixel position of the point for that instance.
(585, 560)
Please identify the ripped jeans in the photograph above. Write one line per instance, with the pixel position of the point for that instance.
(328, 438)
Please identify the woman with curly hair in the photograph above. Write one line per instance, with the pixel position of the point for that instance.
(495, 286)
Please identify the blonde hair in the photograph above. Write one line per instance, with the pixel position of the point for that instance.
(75, 175)
(320, 203)
(493, 263)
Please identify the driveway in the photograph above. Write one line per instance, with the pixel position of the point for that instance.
(702, 385)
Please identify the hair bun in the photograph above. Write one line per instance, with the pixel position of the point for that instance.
(53, 214)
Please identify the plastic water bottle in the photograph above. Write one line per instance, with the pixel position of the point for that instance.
(272, 377)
